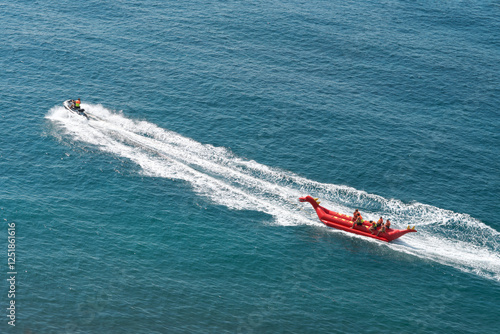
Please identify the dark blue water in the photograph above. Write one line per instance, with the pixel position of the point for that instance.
(176, 211)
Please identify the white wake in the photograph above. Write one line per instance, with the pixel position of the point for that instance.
(449, 238)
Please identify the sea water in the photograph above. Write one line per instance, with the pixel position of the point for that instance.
(176, 210)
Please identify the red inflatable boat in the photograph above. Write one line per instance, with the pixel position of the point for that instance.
(344, 222)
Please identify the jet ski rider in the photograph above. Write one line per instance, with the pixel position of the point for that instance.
(75, 103)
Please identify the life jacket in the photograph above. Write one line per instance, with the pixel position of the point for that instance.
(380, 222)
(355, 215)
(77, 103)
(388, 224)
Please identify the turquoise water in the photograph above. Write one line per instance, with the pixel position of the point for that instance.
(177, 210)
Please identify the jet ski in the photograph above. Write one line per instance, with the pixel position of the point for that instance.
(69, 104)
(344, 223)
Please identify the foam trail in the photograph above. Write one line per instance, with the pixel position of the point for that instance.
(449, 238)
